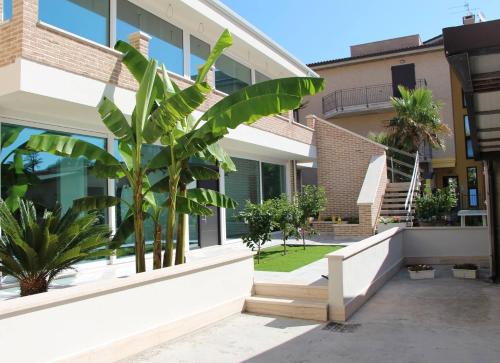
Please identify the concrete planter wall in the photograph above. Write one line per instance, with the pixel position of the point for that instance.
(386, 226)
(112, 319)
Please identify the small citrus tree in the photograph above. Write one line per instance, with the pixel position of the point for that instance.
(311, 201)
(259, 218)
(287, 218)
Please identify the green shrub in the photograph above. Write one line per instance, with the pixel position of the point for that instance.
(434, 206)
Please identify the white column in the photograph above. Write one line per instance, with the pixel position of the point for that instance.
(252, 75)
(112, 23)
(222, 215)
(110, 147)
(287, 181)
(261, 191)
(186, 46)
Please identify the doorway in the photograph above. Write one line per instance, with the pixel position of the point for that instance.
(209, 226)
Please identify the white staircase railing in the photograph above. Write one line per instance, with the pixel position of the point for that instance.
(414, 184)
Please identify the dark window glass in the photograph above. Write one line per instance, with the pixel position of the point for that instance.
(86, 18)
(259, 77)
(273, 180)
(7, 10)
(242, 185)
(199, 54)
(231, 76)
(469, 151)
(166, 39)
(472, 187)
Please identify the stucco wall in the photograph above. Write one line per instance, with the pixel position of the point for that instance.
(430, 65)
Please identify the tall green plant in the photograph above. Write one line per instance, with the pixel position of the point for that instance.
(184, 137)
(34, 249)
(417, 121)
(131, 138)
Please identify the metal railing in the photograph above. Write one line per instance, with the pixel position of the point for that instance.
(414, 185)
(400, 165)
(361, 96)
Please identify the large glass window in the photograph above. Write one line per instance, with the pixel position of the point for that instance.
(472, 187)
(469, 151)
(273, 180)
(242, 185)
(6, 10)
(199, 54)
(166, 39)
(52, 179)
(231, 76)
(86, 18)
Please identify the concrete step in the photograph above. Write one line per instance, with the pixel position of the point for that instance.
(398, 206)
(301, 309)
(395, 194)
(401, 184)
(388, 199)
(292, 291)
(391, 187)
(392, 212)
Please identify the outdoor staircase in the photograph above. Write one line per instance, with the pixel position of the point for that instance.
(393, 204)
(289, 300)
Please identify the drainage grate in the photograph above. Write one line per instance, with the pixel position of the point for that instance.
(341, 328)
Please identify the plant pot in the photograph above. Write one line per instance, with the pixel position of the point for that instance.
(464, 274)
(421, 275)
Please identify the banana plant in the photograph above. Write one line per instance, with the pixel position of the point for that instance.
(131, 138)
(184, 139)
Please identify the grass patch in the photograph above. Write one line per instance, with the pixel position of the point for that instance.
(272, 258)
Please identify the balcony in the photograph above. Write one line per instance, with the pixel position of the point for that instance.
(357, 100)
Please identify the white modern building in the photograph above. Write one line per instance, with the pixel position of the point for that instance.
(57, 62)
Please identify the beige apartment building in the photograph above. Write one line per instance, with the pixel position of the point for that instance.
(357, 97)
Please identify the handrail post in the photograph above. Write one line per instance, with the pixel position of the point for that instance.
(366, 96)
(392, 170)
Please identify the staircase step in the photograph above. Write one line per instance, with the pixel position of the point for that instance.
(399, 184)
(392, 212)
(293, 291)
(388, 199)
(398, 206)
(302, 309)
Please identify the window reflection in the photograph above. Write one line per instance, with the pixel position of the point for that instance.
(86, 18)
(231, 76)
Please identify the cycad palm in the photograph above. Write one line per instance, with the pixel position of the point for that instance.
(418, 121)
(34, 250)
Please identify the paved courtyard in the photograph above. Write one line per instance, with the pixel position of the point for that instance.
(442, 320)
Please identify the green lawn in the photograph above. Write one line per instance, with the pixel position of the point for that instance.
(272, 258)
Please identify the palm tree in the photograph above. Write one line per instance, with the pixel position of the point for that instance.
(417, 121)
(35, 250)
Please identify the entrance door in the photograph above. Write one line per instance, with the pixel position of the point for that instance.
(209, 225)
(403, 75)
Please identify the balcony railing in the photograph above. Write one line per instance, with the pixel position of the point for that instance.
(362, 96)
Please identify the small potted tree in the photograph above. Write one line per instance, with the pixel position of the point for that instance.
(432, 208)
(420, 272)
(465, 271)
(259, 219)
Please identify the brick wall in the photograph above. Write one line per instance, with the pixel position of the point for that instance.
(24, 37)
(343, 158)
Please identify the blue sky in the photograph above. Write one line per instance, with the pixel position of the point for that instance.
(315, 30)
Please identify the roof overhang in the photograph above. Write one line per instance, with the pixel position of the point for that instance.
(473, 51)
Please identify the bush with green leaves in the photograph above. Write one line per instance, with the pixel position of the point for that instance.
(433, 207)
(259, 219)
(287, 216)
(35, 249)
(311, 201)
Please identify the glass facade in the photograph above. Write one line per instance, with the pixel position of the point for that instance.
(199, 54)
(166, 39)
(472, 187)
(273, 180)
(242, 185)
(231, 76)
(86, 18)
(53, 179)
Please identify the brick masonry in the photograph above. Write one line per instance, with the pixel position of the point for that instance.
(23, 36)
(342, 159)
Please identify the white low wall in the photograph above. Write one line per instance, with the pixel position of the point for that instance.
(356, 272)
(112, 319)
(447, 245)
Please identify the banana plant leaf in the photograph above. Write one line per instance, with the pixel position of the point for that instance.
(115, 121)
(224, 41)
(210, 197)
(95, 203)
(189, 206)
